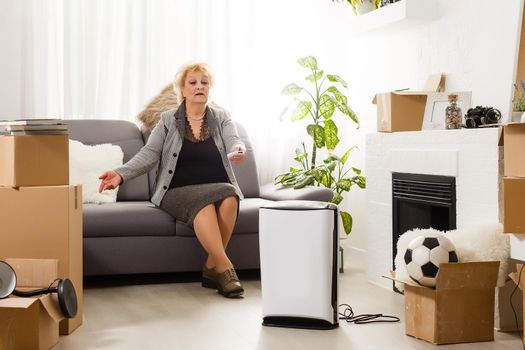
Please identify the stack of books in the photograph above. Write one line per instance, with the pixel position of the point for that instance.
(33, 127)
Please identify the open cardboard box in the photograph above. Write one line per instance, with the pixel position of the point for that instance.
(31, 323)
(404, 110)
(45, 222)
(459, 310)
(34, 160)
(519, 279)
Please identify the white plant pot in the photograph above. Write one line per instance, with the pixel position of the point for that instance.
(364, 7)
(518, 117)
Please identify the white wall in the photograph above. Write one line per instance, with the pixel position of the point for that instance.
(473, 42)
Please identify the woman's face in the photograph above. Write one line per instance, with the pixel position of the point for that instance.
(196, 87)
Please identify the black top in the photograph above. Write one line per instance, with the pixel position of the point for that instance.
(199, 163)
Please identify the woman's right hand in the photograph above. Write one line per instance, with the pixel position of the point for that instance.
(110, 180)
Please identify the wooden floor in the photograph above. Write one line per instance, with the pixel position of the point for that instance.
(175, 312)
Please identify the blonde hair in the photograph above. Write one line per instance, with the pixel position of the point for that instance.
(180, 77)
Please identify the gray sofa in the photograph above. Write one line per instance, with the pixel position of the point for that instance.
(134, 236)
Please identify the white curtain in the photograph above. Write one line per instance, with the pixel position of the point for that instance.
(108, 58)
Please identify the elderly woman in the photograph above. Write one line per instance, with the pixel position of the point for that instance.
(194, 145)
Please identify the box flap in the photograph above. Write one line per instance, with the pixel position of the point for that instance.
(435, 83)
(393, 277)
(34, 273)
(515, 276)
(51, 305)
(467, 275)
(17, 303)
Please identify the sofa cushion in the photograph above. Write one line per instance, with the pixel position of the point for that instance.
(118, 132)
(124, 219)
(248, 221)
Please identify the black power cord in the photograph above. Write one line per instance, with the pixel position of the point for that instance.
(349, 316)
(512, 306)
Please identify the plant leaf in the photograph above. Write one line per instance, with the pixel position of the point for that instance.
(330, 131)
(301, 157)
(345, 156)
(325, 179)
(332, 165)
(330, 158)
(338, 95)
(326, 106)
(344, 184)
(307, 180)
(317, 134)
(302, 110)
(337, 198)
(291, 89)
(357, 171)
(316, 76)
(347, 221)
(337, 79)
(308, 62)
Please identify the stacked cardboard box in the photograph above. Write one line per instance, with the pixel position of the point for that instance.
(41, 213)
(514, 178)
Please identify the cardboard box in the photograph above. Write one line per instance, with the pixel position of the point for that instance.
(504, 319)
(404, 110)
(513, 205)
(34, 160)
(45, 222)
(513, 147)
(459, 310)
(30, 323)
(519, 279)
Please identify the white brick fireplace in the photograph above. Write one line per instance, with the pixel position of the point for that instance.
(472, 156)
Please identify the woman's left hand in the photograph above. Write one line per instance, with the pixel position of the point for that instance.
(238, 155)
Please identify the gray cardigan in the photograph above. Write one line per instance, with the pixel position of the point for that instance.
(165, 142)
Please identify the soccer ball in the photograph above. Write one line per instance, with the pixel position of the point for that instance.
(423, 256)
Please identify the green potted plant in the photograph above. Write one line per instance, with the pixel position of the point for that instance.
(518, 103)
(320, 103)
(362, 6)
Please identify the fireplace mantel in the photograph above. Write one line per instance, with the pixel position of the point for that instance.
(472, 156)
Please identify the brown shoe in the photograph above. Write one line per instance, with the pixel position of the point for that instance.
(228, 284)
(209, 277)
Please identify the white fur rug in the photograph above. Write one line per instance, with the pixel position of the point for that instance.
(477, 243)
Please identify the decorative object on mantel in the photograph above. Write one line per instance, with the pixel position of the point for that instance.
(453, 113)
(518, 103)
(482, 116)
(435, 109)
(363, 6)
(320, 104)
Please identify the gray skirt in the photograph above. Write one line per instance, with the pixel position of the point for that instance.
(184, 203)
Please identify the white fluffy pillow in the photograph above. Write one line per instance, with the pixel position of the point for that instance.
(87, 163)
(483, 242)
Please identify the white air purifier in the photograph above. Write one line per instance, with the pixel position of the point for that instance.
(298, 247)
